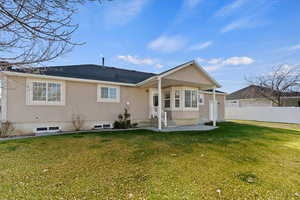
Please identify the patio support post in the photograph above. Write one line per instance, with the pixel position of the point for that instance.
(214, 107)
(159, 103)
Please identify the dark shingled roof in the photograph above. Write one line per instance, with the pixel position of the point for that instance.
(255, 92)
(94, 72)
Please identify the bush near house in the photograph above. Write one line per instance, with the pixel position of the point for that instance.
(124, 121)
(6, 129)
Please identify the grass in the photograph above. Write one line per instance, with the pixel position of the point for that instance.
(235, 161)
(270, 124)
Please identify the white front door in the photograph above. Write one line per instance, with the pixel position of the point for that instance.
(211, 110)
(153, 100)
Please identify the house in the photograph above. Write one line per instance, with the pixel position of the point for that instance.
(255, 96)
(47, 99)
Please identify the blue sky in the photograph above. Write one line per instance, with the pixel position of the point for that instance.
(231, 39)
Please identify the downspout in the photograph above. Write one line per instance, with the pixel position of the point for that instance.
(214, 107)
(4, 98)
(159, 103)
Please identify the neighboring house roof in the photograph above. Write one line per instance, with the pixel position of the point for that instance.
(255, 92)
(94, 72)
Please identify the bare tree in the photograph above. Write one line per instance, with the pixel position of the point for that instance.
(36, 31)
(282, 81)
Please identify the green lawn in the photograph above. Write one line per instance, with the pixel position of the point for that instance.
(239, 161)
(270, 124)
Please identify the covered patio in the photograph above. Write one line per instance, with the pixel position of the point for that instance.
(198, 127)
(180, 89)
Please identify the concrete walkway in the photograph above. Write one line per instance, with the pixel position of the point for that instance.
(169, 129)
(185, 128)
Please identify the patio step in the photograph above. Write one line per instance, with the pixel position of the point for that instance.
(171, 123)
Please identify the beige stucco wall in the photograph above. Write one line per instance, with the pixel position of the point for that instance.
(190, 74)
(81, 99)
(202, 115)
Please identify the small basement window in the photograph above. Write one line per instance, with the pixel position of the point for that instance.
(107, 126)
(41, 129)
(98, 127)
(54, 128)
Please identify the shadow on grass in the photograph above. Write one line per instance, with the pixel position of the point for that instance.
(11, 148)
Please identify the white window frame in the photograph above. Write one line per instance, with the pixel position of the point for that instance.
(29, 92)
(201, 96)
(111, 100)
(173, 102)
(190, 108)
(170, 99)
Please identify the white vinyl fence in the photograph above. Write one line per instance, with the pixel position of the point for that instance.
(268, 114)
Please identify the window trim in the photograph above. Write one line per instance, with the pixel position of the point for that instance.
(180, 98)
(165, 99)
(201, 95)
(190, 108)
(29, 93)
(108, 100)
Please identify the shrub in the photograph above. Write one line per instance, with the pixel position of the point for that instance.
(6, 129)
(124, 122)
(210, 123)
(134, 125)
(117, 125)
(77, 122)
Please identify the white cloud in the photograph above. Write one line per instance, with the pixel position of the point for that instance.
(238, 24)
(201, 46)
(158, 66)
(285, 69)
(140, 61)
(296, 47)
(191, 3)
(167, 43)
(228, 9)
(124, 11)
(136, 61)
(212, 68)
(214, 61)
(238, 61)
(217, 63)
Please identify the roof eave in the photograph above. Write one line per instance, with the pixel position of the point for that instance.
(65, 78)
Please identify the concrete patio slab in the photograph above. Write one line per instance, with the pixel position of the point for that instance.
(168, 129)
(184, 128)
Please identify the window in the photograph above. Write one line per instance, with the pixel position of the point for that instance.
(167, 99)
(108, 94)
(54, 92)
(155, 100)
(39, 91)
(190, 98)
(201, 99)
(177, 98)
(45, 92)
